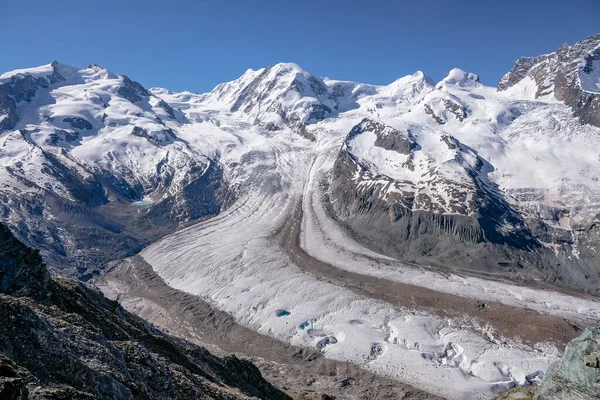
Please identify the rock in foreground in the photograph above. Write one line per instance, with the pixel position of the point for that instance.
(577, 375)
(59, 339)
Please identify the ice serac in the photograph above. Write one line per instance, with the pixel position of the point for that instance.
(571, 75)
(78, 148)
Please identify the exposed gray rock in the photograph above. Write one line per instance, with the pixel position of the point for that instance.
(386, 136)
(458, 110)
(157, 138)
(437, 118)
(557, 74)
(22, 88)
(168, 109)
(576, 376)
(60, 136)
(8, 110)
(22, 272)
(132, 90)
(78, 123)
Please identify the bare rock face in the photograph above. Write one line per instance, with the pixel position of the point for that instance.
(22, 272)
(576, 376)
(59, 339)
(567, 74)
(22, 88)
(132, 90)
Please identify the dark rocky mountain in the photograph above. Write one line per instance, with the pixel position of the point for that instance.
(61, 340)
(413, 225)
(574, 377)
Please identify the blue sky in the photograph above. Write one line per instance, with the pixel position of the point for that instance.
(194, 45)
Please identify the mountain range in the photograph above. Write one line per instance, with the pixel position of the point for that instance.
(415, 239)
(454, 174)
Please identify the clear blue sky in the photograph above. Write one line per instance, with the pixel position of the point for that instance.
(194, 45)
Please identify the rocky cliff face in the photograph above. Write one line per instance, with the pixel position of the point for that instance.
(395, 217)
(60, 339)
(571, 75)
(576, 376)
(450, 222)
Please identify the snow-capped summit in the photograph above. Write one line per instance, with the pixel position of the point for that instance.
(42, 71)
(458, 77)
(410, 87)
(280, 95)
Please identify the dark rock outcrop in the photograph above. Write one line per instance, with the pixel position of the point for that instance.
(78, 123)
(59, 339)
(157, 138)
(22, 88)
(132, 90)
(576, 376)
(8, 110)
(386, 137)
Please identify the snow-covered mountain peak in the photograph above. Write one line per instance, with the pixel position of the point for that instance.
(94, 71)
(58, 73)
(42, 70)
(460, 78)
(287, 67)
(42, 75)
(278, 79)
(416, 82)
(279, 95)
